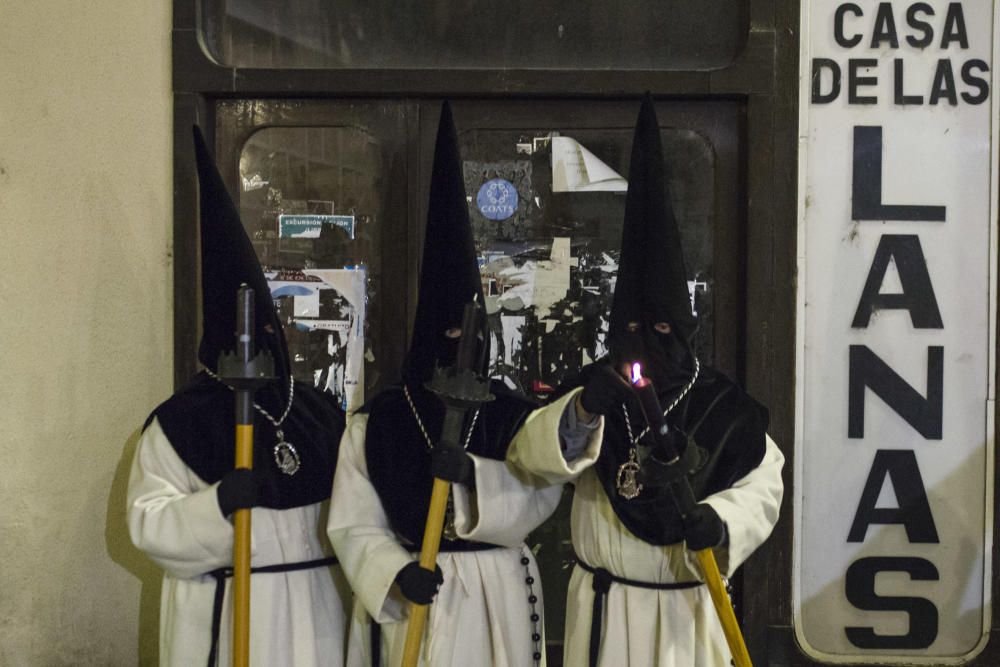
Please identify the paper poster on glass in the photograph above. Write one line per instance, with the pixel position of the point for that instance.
(576, 169)
(324, 313)
(547, 305)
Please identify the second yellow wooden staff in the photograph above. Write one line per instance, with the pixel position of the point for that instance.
(428, 560)
(460, 388)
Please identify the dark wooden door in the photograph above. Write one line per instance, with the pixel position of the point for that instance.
(371, 160)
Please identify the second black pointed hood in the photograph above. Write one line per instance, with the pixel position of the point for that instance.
(449, 272)
(404, 421)
(228, 260)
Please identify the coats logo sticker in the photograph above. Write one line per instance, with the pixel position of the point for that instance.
(497, 199)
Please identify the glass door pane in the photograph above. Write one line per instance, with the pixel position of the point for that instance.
(321, 206)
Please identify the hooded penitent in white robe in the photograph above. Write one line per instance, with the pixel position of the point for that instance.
(481, 614)
(644, 627)
(296, 618)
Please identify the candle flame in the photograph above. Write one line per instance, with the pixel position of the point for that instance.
(636, 372)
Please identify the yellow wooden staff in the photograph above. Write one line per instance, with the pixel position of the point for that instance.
(428, 561)
(723, 607)
(241, 555)
(673, 474)
(244, 372)
(460, 388)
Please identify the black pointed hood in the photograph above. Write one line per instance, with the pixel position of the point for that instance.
(652, 279)
(397, 454)
(725, 428)
(449, 274)
(227, 261)
(198, 419)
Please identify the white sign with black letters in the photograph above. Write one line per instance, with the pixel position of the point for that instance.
(896, 310)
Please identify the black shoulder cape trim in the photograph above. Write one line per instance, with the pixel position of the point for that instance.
(721, 420)
(398, 455)
(199, 421)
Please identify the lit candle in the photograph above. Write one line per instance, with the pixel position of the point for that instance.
(651, 410)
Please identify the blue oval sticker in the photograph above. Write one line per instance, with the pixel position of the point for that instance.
(497, 199)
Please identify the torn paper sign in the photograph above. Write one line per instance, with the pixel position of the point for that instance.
(575, 169)
(512, 326)
(347, 380)
(305, 295)
(323, 328)
(551, 279)
(324, 325)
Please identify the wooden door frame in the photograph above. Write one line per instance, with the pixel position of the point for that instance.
(763, 79)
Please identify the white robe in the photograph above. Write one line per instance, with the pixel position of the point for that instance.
(481, 614)
(644, 627)
(296, 618)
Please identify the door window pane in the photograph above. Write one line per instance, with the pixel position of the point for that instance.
(549, 261)
(310, 200)
(441, 34)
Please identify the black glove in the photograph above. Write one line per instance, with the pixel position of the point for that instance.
(239, 489)
(703, 528)
(452, 464)
(419, 585)
(604, 391)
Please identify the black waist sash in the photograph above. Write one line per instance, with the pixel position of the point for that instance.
(224, 573)
(602, 584)
(456, 546)
(447, 546)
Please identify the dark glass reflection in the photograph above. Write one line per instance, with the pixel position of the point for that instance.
(440, 34)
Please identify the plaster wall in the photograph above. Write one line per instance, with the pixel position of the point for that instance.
(85, 330)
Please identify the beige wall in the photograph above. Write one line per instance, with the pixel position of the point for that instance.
(85, 329)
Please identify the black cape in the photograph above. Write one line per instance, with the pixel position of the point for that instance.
(199, 422)
(399, 458)
(718, 417)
